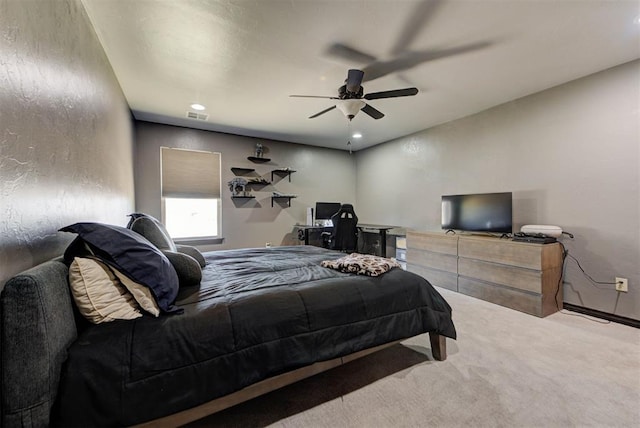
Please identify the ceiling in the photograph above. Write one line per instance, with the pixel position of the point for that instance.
(243, 58)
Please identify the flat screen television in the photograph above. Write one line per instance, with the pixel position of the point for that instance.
(324, 210)
(480, 212)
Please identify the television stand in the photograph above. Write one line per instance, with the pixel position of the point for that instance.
(519, 275)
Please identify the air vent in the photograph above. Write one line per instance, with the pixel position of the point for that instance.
(197, 116)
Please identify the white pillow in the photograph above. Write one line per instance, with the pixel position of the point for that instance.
(141, 293)
(98, 294)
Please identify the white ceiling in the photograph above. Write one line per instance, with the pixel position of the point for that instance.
(243, 58)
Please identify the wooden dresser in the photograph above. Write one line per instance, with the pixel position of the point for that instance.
(518, 275)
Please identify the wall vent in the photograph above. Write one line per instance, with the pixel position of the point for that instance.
(197, 116)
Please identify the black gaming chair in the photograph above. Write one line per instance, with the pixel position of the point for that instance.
(345, 233)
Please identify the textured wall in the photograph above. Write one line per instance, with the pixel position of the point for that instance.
(570, 155)
(321, 175)
(66, 151)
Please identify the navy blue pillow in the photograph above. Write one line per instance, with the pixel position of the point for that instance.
(134, 256)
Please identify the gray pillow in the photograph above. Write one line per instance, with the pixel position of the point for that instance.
(153, 230)
(134, 256)
(187, 268)
(193, 252)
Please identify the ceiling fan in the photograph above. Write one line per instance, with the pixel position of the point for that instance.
(350, 97)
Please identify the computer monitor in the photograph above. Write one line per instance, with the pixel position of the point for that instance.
(324, 210)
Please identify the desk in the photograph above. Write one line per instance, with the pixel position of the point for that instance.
(306, 233)
(381, 230)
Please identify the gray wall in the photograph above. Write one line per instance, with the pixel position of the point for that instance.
(321, 175)
(65, 132)
(569, 154)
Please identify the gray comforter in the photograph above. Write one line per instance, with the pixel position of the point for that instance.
(256, 314)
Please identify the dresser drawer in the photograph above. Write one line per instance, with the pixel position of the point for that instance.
(445, 262)
(435, 277)
(437, 243)
(510, 276)
(504, 296)
(520, 254)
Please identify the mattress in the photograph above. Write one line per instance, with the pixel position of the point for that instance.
(257, 313)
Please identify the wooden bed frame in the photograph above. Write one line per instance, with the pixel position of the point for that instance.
(438, 349)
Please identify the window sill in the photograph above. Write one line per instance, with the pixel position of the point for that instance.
(199, 241)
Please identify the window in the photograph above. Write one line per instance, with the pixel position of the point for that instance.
(188, 217)
(191, 193)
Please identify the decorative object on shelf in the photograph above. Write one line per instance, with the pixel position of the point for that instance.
(283, 171)
(238, 187)
(258, 181)
(278, 195)
(283, 195)
(259, 157)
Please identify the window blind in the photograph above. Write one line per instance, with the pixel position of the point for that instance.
(190, 173)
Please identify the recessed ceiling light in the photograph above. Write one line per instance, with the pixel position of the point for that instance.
(198, 106)
(357, 135)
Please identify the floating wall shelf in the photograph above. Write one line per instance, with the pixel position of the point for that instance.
(283, 172)
(288, 198)
(257, 159)
(241, 171)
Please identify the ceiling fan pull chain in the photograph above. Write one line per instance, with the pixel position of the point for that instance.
(349, 136)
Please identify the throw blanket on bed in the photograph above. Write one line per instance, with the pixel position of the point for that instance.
(361, 264)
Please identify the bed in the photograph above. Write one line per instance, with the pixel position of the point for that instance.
(261, 317)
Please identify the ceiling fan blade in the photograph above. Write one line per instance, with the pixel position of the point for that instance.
(322, 112)
(376, 114)
(418, 19)
(408, 60)
(354, 80)
(407, 92)
(350, 54)
(314, 96)
(429, 55)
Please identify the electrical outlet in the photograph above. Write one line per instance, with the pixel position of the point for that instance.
(621, 284)
(268, 245)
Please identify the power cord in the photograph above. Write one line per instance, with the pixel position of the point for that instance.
(565, 312)
(565, 253)
(589, 276)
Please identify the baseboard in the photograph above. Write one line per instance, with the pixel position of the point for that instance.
(603, 315)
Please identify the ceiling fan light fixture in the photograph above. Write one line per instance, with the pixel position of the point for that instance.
(350, 107)
(198, 107)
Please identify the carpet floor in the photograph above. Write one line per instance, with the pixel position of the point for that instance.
(507, 369)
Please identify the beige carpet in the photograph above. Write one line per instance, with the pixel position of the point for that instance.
(507, 369)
